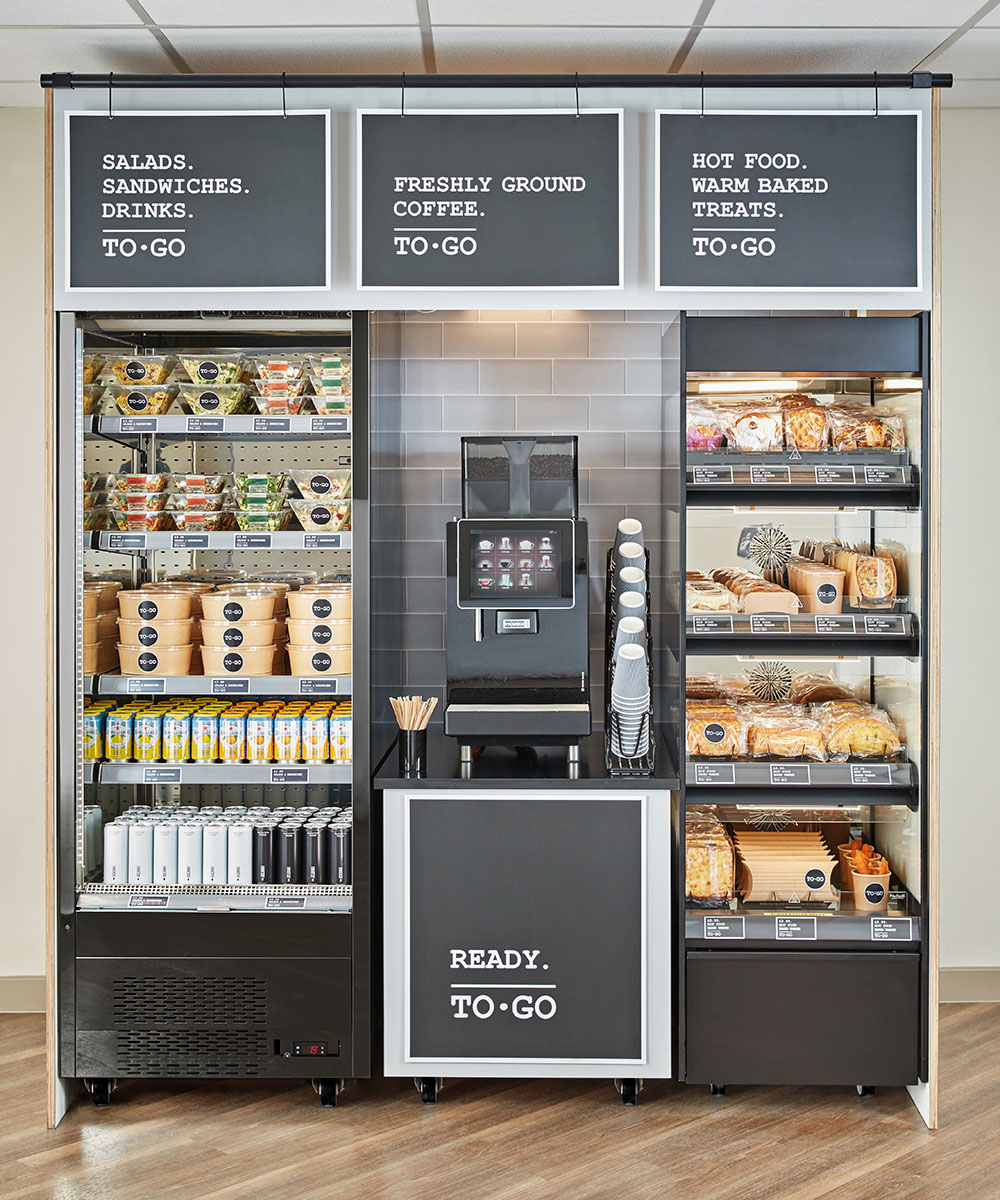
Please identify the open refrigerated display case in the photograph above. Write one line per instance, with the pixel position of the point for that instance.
(806, 665)
(246, 955)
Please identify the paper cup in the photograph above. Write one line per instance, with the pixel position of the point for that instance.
(871, 892)
(629, 530)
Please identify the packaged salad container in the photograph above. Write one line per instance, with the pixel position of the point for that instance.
(142, 520)
(135, 501)
(284, 404)
(259, 520)
(262, 482)
(280, 368)
(198, 501)
(260, 501)
(281, 387)
(94, 481)
(211, 484)
(332, 406)
(138, 483)
(200, 518)
(92, 393)
(323, 485)
(226, 368)
(144, 400)
(322, 516)
(146, 370)
(92, 364)
(217, 399)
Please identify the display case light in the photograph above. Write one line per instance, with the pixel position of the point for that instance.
(801, 658)
(902, 385)
(738, 386)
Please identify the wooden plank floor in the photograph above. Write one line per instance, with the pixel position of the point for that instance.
(506, 1140)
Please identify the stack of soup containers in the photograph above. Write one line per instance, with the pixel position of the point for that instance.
(319, 629)
(100, 625)
(242, 629)
(155, 632)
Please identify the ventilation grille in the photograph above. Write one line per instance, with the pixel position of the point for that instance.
(192, 1053)
(142, 1001)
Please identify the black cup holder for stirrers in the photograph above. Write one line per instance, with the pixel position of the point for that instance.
(628, 736)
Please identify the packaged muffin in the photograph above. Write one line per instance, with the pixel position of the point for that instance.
(322, 485)
(217, 399)
(805, 421)
(92, 364)
(144, 370)
(143, 401)
(322, 516)
(217, 369)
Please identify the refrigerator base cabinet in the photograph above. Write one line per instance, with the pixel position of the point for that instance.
(803, 1018)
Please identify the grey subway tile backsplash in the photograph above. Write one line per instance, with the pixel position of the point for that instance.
(471, 415)
(644, 377)
(552, 414)
(440, 377)
(572, 376)
(480, 340)
(627, 340)
(432, 449)
(424, 595)
(420, 340)
(635, 413)
(426, 522)
(501, 376)
(553, 339)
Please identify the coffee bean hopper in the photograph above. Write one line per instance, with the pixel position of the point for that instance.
(517, 608)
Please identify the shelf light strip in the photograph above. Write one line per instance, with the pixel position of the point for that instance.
(737, 386)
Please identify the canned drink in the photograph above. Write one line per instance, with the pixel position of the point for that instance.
(93, 734)
(287, 738)
(263, 854)
(116, 853)
(338, 853)
(204, 737)
(118, 736)
(313, 854)
(189, 847)
(260, 737)
(140, 853)
(240, 853)
(315, 739)
(232, 738)
(214, 846)
(340, 739)
(165, 852)
(176, 736)
(287, 854)
(146, 737)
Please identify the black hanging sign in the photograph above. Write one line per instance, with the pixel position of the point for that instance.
(198, 201)
(789, 201)
(491, 200)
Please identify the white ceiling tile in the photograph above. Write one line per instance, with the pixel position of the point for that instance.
(323, 51)
(67, 12)
(846, 13)
(493, 50)
(976, 55)
(28, 53)
(21, 95)
(238, 13)
(809, 50)
(972, 93)
(563, 12)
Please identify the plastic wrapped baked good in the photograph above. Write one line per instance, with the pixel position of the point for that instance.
(815, 689)
(704, 427)
(710, 865)
(861, 427)
(876, 576)
(805, 422)
(755, 427)
(755, 594)
(737, 688)
(856, 730)
(708, 597)
(715, 732)
(772, 736)
(702, 687)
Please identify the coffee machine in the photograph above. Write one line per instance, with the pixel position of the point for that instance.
(518, 596)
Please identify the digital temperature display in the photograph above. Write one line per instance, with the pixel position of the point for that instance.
(309, 1049)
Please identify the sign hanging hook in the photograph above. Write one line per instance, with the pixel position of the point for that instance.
(402, 96)
(576, 83)
(111, 80)
(876, 95)
(702, 113)
(284, 106)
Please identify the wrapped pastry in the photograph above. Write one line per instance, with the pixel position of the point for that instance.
(876, 577)
(856, 730)
(704, 427)
(805, 422)
(736, 688)
(772, 736)
(756, 594)
(756, 427)
(708, 597)
(715, 732)
(710, 865)
(815, 689)
(861, 427)
(701, 687)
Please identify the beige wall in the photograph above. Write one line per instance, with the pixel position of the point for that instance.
(970, 932)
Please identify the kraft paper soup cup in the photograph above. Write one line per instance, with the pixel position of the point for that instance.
(155, 633)
(91, 600)
(242, 660)
(871, 892)
(90, 653)
(319, 633)
(320, 660)
(155, 660)
(323, 602)
(143, 605)
(232, 635)
(241, 604)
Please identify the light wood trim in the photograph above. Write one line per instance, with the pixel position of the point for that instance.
(51, 825)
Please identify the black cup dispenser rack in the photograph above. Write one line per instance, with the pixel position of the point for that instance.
(628, 683)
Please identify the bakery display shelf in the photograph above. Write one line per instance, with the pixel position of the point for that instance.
(138, 543)
(213, 685)
(851, 633)
(184, 425)
(819, 797)
(232, 897)
(803, 925)
(222, 772)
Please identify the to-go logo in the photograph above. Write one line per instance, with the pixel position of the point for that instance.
(148, 662)
(233, 662)
(815, 879)
(714, 733)
(148, 636)
(321, 607)
(208, 370)
(826, 593)
(874, 893)
(148, 609)
(135, 370)
(136, 401)
(232, 611)
(321, 661)
(209, 401)
(322, 634)
(321, 515)
(320, 484)
(233, 637)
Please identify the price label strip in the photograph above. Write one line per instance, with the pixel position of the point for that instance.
(834, 475)
(713, 475)
(139, 424)
(317, 687)
(873, 775)
(892, 929)
(189, 541)
(799, 929)
(844, 624)
(272, 424)
(790, 773)
(721, 624)
(145, 687)
(252, 541)
(770, 475)
(161, 775)
(884, 625)
(230, 687)
(205, 424)
(879, 475)
(725, 927)
(289, 774)
(760, 624)
(714, 773)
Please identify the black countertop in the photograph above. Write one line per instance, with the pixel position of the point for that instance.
(544, 767)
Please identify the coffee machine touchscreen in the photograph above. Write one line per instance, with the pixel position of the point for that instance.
(514, 562)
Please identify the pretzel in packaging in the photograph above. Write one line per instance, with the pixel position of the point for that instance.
(704, 427)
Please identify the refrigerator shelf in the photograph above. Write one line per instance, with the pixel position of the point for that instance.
(224, 772)
(851, 633)
(140, 543)
(232, 897)
(211, 685)
(183, 426)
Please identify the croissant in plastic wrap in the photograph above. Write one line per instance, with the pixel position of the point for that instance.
(860, 427)
(715, 732)
(856, 730)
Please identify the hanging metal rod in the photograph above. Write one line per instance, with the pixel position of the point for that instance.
(916, 79)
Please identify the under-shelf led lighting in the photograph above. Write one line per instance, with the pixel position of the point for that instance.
(829, 658)
(737, 386)
(902, 385)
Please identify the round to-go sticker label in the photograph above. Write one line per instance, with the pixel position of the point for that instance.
(148, 636)
(815, 879)
(321, 515)
(322, 607)
(826, 593)
(208, 370)
(874, 893)
(714, 733)
(148, 609)
(137, 402)
(135, 370)
(148, 661)
(209, 401)
(321, 661)
(322, 635)
(233, 662)
(320, 484)
(233, 637)
(233, 611)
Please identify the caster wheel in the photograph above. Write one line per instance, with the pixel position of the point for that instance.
(100, 1091)
(428, 1087)
(865, 1090)
(718, 1089)
(630, 1092)
(328, 1091)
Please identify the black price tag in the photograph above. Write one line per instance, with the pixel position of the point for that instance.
(714, 773)
(145, 687)
(713, 475)
(879, 475)
(205, 424)
(189, 541)
(139, 424)
(252, 541)
(794, 773)
(892, 929)
(317, 687)
(835, 625)
(272, 424)
(827, 475)
(289, 774)
(329, 424)
(762, 624)
(230, 687)
(799, 929)
(321, 541)
(725, 927)
(126, 541)
(884, 625)
(770, 475)
(148, 901)
(161, 775)
(286, 902)
(877, 774)
(721, 624)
